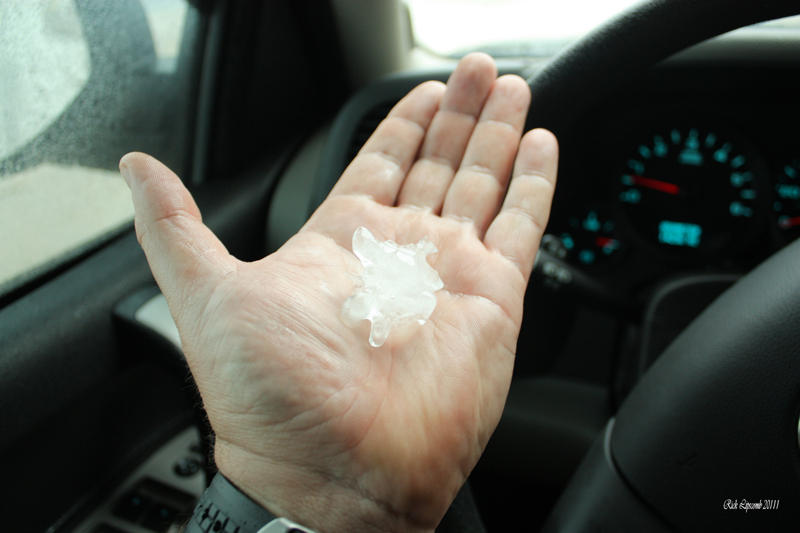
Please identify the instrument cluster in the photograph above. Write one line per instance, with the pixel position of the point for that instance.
(652, 197)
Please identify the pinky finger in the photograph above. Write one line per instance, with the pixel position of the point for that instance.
(517, 229)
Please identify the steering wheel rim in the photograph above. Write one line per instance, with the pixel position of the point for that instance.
(629, 44)
(669, 437)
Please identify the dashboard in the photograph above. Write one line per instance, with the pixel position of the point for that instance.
(687, 169)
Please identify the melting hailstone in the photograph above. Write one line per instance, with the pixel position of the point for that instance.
(396, 285)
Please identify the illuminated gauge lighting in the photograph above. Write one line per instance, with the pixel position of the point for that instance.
(786, 202)
(688, 189)
(679, 233)
(588, 240)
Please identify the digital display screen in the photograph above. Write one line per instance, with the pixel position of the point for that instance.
(679, 233)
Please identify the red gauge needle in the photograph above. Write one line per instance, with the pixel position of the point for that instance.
(602, 242)
(789, 222)
(656, 185)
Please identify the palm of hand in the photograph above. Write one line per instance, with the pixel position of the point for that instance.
(295, 395)
(418, 408)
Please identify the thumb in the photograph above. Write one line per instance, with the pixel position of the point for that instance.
(182, 252)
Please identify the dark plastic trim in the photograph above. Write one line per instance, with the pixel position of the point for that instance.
(599, 499)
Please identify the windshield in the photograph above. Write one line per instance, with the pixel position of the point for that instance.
(506, 27)
(516, 28)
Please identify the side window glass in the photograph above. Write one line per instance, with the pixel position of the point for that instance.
(81, 83)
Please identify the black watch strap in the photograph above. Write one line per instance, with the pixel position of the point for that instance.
(226, 509)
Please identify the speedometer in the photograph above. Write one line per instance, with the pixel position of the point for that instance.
(690, 190)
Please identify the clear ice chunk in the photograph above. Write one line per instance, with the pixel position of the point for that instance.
(397, 284)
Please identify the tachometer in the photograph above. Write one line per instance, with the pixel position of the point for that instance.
(690, 190)
(589, 239)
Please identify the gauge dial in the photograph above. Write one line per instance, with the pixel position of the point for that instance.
(589, 239)
(786, 204)
(689, 190)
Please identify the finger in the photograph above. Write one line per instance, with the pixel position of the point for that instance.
(518, 228)
(449, 132)
(179, 248)
(383, 162)
(479, 184)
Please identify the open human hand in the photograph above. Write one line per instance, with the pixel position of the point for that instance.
(310, 420)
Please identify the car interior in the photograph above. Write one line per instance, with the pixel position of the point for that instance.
(656, 373)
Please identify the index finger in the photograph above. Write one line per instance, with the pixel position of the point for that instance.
(517, 230)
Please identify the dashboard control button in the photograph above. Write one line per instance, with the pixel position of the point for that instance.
(186, 467)
(160, 516)
(132, 506)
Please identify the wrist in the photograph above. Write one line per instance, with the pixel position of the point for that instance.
(316, 500)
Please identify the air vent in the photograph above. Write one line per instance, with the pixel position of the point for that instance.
(366, 126)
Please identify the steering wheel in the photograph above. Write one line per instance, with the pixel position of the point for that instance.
(708, 438)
